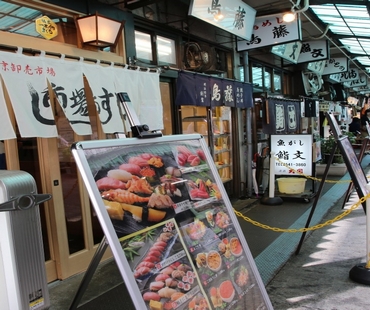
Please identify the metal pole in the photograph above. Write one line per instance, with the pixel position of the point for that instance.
(248, 133)
(361, 272)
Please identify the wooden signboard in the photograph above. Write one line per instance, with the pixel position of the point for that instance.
(170, 224)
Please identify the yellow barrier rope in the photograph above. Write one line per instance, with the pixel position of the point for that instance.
(329, 222)
(318, 226)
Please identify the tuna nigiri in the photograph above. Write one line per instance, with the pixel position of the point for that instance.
(146, 264)
(138, 161)
(156, 286)
(132, 168)
(154, 253)
(159, 248)
(108, 183)
(151, 258)
(142, 271)
(162, 277)
(160, 243)
(148, 296)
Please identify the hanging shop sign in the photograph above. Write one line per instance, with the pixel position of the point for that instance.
(26, 81)
(361, 81)
(295, 151)
(336, 65)
(288, 51)
(281, 116)
(316, 66)
(208, 91)
(351, 74)
(313, 51)
(312, 82)
(271, 30)
(170, 225)
(233, 16)
(310, 107)
(362, 89)
(46, 27)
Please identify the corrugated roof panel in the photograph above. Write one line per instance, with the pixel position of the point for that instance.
(29, 30)
(6, 7)
(15, 18)
(364, 60)
(8, 22)
(348, 20)
(26, 13)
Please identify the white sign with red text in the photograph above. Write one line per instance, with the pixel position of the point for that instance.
(292, 153)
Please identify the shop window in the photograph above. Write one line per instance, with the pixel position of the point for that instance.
(163, 51)
(267, 79)
(143, 46)
(257, 77)
(241, 73)
(277, 82)
(166, 50)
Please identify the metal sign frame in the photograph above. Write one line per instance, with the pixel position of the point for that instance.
(92, 157)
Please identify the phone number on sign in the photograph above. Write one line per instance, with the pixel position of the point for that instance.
(291, 165)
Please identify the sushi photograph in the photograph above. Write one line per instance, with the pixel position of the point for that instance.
(162, 269)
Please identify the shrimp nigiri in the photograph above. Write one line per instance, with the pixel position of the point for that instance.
(124, 196)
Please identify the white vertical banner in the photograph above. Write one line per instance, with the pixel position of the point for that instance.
(6, 127)
(68, 86)
(144, 91)
(101, 81)
(25, 80)
(151, 111)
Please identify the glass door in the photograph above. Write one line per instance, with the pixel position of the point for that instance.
(222, 142)
(215, 125)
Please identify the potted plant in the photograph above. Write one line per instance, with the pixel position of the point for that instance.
(327, 145)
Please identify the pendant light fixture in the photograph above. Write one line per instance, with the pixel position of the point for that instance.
(98, 30)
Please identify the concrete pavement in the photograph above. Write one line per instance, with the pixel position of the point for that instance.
(318, 277)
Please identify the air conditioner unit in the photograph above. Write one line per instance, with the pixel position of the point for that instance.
(23, 282)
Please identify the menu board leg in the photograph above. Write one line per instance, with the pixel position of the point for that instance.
(89, 273)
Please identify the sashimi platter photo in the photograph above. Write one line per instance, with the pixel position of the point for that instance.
(174, 223)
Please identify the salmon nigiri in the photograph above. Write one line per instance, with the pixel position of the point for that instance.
(124, 196)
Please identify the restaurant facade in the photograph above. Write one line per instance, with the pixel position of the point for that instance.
(59, 91)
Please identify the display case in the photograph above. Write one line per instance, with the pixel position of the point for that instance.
(215, 125)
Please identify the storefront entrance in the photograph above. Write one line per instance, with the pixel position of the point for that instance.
(71, 231)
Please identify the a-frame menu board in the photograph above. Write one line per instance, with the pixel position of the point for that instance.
(170, 224)
(350, 158)
(355, 170)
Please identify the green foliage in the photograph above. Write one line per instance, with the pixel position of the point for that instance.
(327, 145)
